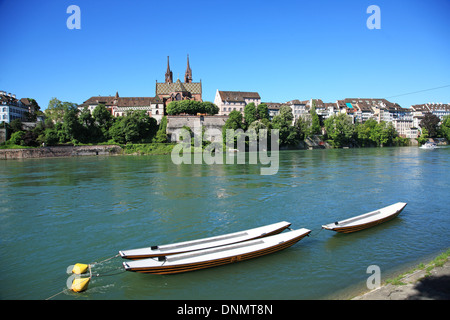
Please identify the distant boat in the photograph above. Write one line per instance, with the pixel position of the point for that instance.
(218, 256)
(366, 220)
(428, 145)
(199, 244)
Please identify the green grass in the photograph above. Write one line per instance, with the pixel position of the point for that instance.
(439, 261)
(13, 146)
(148, 148)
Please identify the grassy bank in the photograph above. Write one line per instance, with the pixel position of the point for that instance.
(424, 281)
(439, 261)
(148, 148)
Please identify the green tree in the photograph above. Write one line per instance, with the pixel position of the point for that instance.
(117, 130)
(315, 121)
(56, 109)
(191, 107)
(363, 132)
(283, 121)
(430, 122)
(135, 127)
(103, 120)
(17, 138)
(262, 111)
(37, 110)
(383, 133)
(161, 135)
(340, 129)
(72, 129)
(250, 114)
(209, 108)
(50, 137)
(303, 127)
(15, 125)
(423, 136)
(234, 122)
(445, 128)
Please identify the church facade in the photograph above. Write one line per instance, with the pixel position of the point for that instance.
(165, 92)
(168, 90)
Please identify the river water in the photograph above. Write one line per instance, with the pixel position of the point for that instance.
(58, 212)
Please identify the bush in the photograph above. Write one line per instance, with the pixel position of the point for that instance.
(191, 107)
(17, 138)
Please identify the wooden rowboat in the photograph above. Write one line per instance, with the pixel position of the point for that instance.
(366, 220)
(199, 244)
(218, 256)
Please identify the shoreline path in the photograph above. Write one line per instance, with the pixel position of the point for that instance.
(421, 284)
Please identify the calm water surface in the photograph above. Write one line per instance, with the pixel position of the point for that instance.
(57, 212)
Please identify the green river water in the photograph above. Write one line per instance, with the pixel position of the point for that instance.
(57, 212)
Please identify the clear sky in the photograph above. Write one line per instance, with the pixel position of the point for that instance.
(284, 50)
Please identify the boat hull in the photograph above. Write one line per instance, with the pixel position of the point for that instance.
(361, 226)
(200, 244)
(365, 225)
(185, 267)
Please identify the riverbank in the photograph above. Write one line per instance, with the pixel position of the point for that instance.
(86, 150)
(59, 151)
(425, 282)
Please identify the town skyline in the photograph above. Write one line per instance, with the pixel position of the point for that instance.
(302, 51)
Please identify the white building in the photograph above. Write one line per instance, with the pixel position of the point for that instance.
(273, 108)
(438, 109)
(228, 101)
(120, 106)
(11, 108)
(299, 108)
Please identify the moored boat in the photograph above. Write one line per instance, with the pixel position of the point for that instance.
(199, 244)
(217, 256)
(366, 220)
(429, 145)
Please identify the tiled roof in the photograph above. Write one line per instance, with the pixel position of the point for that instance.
(178, 86)
(122, 101)
(238, 95)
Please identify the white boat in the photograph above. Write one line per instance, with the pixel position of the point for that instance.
(428, 145)
(199, 244)
(218, 256)
(366, 220)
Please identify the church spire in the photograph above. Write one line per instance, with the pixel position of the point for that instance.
(188, 74)
(169, 76)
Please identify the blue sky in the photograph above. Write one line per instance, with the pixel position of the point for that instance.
(282, 49)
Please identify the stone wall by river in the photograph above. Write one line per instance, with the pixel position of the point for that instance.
(60, 151)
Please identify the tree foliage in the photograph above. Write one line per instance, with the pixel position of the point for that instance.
(315, 121)
(430, 122)
(250, 113)
(283, 122)
(191, 107)
(340, 129)
(445, 128)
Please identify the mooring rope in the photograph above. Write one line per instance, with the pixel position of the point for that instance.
(314, 233)
(107, 259)
(56, 294)
(98, 275)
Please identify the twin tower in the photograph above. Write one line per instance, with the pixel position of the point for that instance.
(187, 75)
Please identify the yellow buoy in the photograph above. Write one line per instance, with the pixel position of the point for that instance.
(80, 284)
(80, 268)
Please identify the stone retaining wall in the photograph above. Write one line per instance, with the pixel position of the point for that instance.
(62, 151)
(175, 123)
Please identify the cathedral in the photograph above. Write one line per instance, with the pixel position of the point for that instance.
(154, 106)
(168, 90)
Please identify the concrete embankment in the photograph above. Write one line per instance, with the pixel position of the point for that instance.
(60, 151)
(430, 282)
